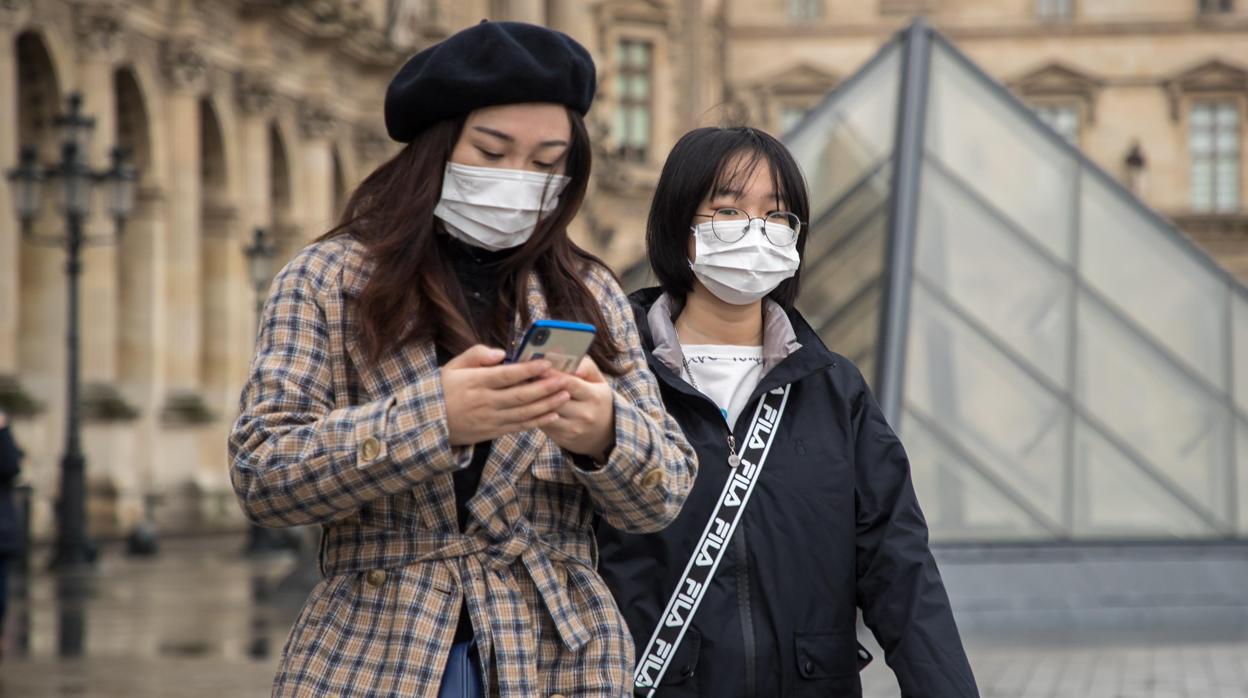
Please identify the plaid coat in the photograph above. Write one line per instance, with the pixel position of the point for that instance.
(325, 438)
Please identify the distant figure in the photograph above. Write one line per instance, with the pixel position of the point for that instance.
(11, 538)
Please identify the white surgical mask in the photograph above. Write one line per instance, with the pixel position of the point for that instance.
(494, 208)
(741, 272)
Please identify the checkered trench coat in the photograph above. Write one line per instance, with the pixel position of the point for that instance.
(363, 450)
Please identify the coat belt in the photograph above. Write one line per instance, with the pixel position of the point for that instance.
(353, 549)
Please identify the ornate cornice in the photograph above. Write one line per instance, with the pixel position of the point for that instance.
(372, 144)
(316, 119)
(183, 63)
(12, 12)
(1058, 80)
(1211, 77)
(97, 25)
(254, 91)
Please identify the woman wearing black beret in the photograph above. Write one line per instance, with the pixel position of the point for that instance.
(456, 492)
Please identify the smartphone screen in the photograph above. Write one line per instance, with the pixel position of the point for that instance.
(561, 343)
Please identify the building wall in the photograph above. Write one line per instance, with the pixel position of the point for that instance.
(246, 113)
(1131, 69)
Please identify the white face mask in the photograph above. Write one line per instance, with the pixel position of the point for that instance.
(495, 208)
(741, 272)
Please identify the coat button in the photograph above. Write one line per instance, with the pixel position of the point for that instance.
(370, 448)
(809, 666)
(652, 479)
(375, 578)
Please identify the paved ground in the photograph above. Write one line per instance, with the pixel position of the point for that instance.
(200, 621)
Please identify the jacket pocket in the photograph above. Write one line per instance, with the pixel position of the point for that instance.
(684, 664)
(826, 655)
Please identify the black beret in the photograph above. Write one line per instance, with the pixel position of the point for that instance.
(486, 65)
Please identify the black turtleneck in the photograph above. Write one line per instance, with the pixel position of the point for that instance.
(477, 270)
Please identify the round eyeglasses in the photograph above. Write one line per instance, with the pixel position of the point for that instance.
(731, 224)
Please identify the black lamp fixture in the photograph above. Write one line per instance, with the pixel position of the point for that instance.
(74, 181)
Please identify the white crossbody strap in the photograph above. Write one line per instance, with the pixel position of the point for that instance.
(711, 545)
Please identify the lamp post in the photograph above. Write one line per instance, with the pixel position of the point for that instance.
(260, 255)
(74, 179)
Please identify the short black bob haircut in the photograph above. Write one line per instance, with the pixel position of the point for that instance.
(721, 159)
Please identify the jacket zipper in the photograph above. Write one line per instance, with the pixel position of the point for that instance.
(749, 648)
(743, 584)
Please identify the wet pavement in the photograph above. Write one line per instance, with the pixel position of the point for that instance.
(200, 620)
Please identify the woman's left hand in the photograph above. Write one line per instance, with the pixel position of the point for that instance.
(586, 423)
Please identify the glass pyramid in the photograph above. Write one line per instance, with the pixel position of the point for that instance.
(1061, 362)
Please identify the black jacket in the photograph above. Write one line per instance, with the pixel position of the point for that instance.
(11, 538)
(833, 526)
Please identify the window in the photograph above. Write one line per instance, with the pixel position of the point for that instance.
(1213, 149)
(1211, 7)
(634, 111)
(789, 116)
(1063, 118)
(1054, 9)
(800, 10)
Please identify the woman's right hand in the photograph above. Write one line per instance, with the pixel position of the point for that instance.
(486, 399)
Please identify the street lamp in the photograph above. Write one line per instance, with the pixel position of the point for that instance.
(260, 255)
(74, 179)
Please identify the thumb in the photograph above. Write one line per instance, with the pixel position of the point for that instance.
(476, 356)
(588, 371)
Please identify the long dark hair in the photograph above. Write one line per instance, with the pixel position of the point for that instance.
(413, 296)
(699, 162)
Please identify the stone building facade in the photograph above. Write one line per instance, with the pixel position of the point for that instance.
(264, 113)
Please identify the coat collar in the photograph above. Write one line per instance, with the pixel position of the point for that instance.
(791, 348)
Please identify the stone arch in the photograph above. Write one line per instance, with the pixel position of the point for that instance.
(134, 135)
(217, 245)
(281, 196)
(40, 271)
(41, 292)
(341, 187)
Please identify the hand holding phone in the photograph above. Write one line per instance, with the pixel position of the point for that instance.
(561, 343)
(485, 399)
(585, 424)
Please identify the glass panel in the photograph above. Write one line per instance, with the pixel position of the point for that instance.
(1239, 308)
(837, 277)
(853, 330)
(959, 381)
(958, 503)
(1164, 289)
(620, 127)
(1227, 115)
(1241, 475)
(789, 116)
(639, 127)
(1151, 406)
(975, 130)
(992, 274)
(1114, 499)
(850, 134)
(641, 87)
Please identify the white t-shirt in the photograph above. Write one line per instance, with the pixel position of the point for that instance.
(725, 373)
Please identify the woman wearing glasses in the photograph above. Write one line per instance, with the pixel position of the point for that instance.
(803, 510)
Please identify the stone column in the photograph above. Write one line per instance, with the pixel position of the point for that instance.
(97, 27)
(574, 18)
(316, 162)
(184, 68)
(256, 99)
(531, 11)
(9, 229)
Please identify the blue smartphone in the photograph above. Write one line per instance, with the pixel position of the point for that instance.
(561, 343)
